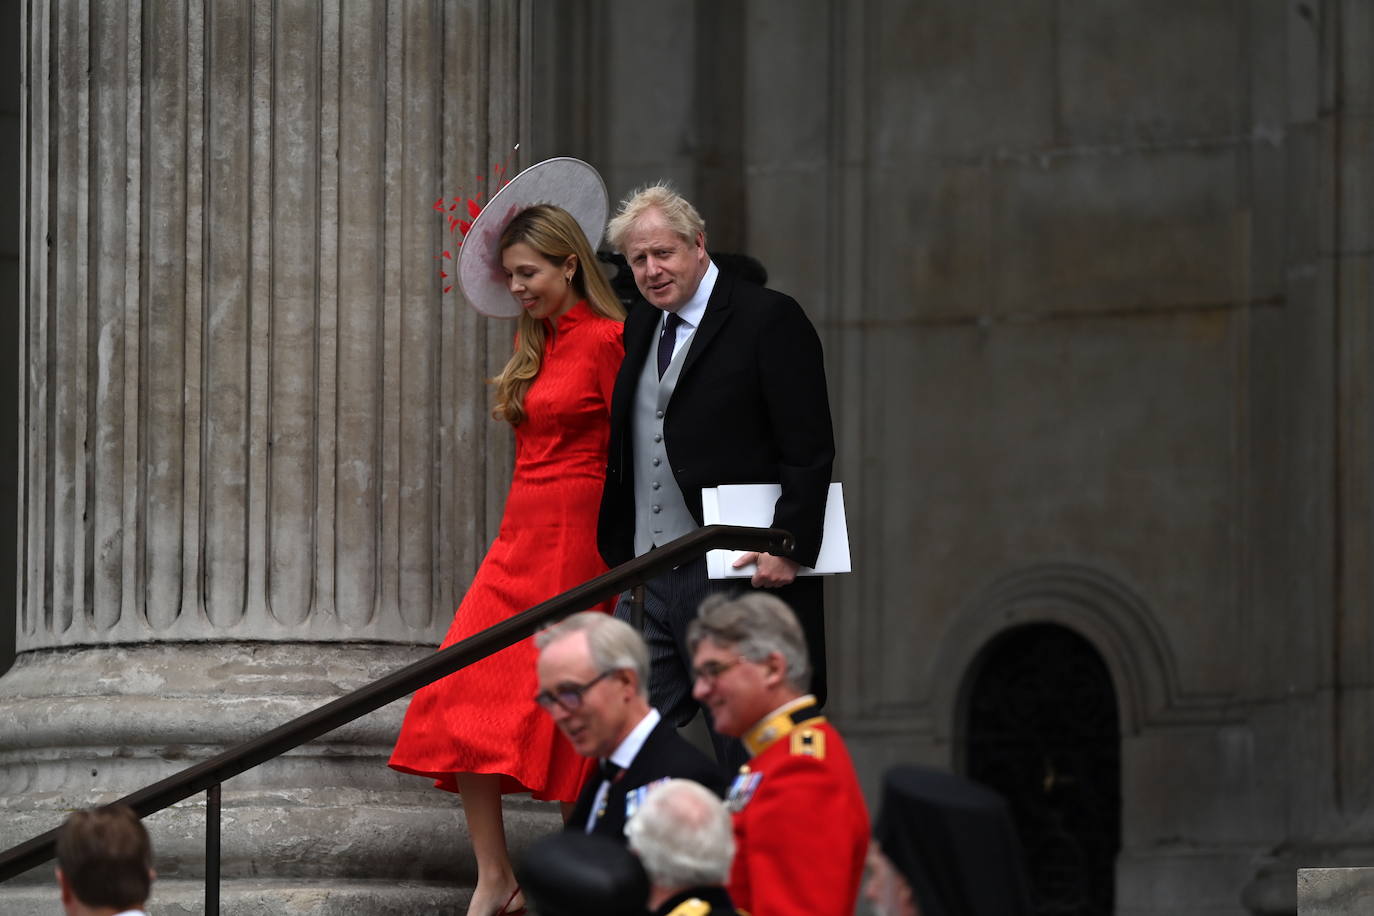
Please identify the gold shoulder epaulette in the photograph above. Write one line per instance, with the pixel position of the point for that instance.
(808, 742)
(693, 907)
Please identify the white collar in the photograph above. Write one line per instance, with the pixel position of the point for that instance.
(694, 308)
(625, 753)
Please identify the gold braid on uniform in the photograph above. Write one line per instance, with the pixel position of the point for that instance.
(799, 719)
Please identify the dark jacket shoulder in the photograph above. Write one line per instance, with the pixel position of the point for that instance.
(667, 755)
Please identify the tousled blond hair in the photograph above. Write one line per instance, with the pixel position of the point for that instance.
(676, 210)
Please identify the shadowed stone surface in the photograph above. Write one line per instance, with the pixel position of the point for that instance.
(1335, 891)
(1093, 280)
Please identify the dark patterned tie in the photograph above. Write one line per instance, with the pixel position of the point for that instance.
(666, 341)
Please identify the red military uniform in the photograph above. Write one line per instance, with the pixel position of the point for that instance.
(801, 826)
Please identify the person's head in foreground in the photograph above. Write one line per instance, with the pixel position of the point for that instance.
(580, 874)
(683, 836)
(943, 846)
(593, 680)
(104, 862)
(748, 658)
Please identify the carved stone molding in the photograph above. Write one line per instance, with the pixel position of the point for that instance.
(1093, 604)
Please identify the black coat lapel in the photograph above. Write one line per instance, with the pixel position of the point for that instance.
(640, 334)
(582, 808)
(717, 313)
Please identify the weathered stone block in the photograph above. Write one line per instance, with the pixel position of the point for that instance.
(1133, 72)
(1096, 439)
(1213, 780)
(787, 106)
(1335, 891)
(933, 256)
(1161, 229)
(653, 83)
(1181, 880)
(961, 79)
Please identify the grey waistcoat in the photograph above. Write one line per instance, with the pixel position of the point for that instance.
(660, 511)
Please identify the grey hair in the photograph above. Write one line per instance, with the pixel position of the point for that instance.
(754, 624)
(683, 836)
(614, 644)
(677, 212)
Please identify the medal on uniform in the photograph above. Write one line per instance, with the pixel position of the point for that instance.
(634, 799)
(741, 790)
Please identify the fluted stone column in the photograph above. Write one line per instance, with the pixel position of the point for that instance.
(257, 463)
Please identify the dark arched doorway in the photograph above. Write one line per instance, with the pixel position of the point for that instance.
(1042, 729)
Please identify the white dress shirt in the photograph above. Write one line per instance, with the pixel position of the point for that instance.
(694, 309)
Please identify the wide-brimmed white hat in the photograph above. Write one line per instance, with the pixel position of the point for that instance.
(564, 182)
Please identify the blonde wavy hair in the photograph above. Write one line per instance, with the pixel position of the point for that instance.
(552, 232)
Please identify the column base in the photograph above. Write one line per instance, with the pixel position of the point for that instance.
(327, 824)
(273, 897)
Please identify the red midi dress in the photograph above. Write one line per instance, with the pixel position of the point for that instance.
(483, 718)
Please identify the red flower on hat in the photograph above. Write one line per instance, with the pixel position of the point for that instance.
(474, 207)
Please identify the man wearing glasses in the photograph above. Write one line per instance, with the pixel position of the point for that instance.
(593, 680)
(801, 826)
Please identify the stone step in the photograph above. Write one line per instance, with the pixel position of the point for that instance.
(180, 887)
(1335, 891)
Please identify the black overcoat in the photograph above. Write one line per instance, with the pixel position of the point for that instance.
(664, 755)
(750, 406)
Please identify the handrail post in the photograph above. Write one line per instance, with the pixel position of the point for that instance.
(212, 850)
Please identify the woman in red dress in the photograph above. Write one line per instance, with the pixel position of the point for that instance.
(478, 732)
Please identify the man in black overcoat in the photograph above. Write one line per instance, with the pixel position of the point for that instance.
(723, 382)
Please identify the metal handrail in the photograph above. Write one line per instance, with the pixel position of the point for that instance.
(207, 775)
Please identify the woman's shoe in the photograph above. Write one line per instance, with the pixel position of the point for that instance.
(509, 912)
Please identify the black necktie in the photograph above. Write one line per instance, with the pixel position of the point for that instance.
(666, 341)
(609, 772)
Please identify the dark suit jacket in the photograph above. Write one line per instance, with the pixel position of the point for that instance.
(750, 406)
(664, 755)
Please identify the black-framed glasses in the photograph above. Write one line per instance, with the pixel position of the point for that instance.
(569, 696)
(712, 670)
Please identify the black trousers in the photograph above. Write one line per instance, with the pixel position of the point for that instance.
(670, 605)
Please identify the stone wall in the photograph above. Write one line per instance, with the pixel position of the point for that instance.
(1335, 891)
(1093, 281)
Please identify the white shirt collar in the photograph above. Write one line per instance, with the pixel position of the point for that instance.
(694, 308)
(625, 754)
